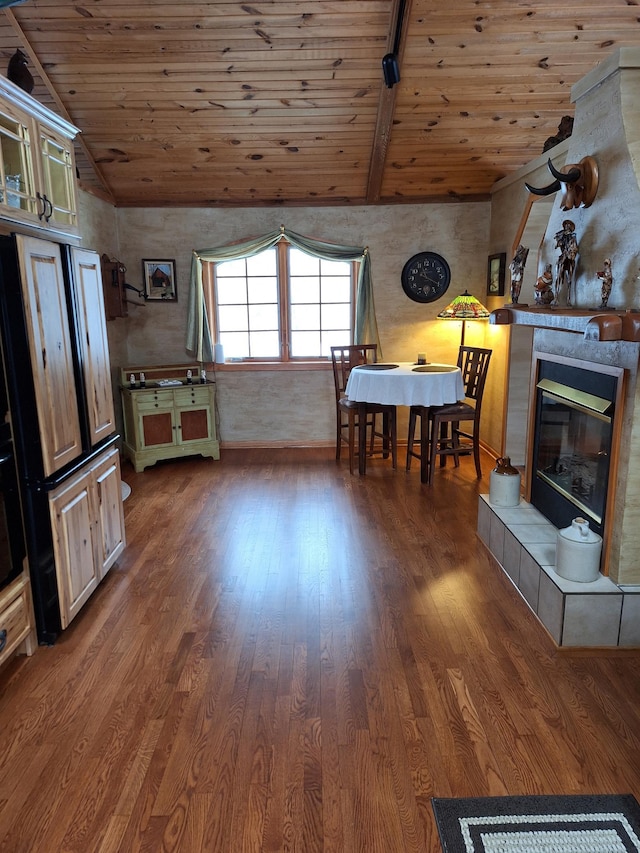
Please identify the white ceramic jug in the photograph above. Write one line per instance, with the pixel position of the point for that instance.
(578, 550)
(504, 484)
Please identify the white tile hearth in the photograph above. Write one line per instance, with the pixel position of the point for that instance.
(523, 542)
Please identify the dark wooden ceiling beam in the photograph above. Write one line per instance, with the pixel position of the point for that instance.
(386, 105)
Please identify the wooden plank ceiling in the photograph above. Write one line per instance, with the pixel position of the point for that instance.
(263, 102)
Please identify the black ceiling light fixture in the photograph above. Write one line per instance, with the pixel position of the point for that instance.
(390, 67)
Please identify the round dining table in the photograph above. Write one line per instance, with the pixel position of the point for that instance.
(401, 384)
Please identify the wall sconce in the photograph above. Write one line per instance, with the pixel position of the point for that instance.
(464, 307)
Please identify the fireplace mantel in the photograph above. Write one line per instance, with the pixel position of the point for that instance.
(591, 324)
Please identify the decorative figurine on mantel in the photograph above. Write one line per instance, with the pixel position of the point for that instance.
(544, 287)
(606, 276)
(516, 268)
(567, 242)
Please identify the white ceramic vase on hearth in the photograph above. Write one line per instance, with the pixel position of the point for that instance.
(504, 484)
(578, 550)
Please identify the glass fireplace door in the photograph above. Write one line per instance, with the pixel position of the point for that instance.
(574, 434)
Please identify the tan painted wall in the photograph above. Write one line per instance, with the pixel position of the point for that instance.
(258, 407)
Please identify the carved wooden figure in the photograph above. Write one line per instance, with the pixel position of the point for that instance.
(544, 287)
(567, 242)
(606, 276)
(517, 272)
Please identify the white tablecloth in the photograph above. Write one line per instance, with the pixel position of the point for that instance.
(403, 386)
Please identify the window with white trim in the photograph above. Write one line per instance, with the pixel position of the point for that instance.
(281, 304)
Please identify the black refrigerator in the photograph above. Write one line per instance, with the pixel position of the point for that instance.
(55, 351)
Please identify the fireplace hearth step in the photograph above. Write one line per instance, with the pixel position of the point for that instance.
(596, 614)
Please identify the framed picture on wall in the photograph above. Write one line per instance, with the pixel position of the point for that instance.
(495, 274)
(160, 280)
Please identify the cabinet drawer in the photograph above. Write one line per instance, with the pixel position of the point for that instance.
(14, 619)
(196, 394)
(149, 401)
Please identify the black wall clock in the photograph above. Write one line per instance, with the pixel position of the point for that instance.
(425, 277)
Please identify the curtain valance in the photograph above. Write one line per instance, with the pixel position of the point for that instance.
(199, 344)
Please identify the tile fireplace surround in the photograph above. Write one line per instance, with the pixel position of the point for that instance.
(523, 543)
(605, 613)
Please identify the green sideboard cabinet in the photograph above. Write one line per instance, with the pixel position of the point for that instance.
(168, 417)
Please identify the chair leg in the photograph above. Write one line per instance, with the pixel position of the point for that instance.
(374, 419)
(410, 437)
(476, 451)
(362, 438)
(352, 432)
(393, 433)
(385, 435)
(455, 442)
(436, 428)
(444, 438)
(424, 447)
(339, 438)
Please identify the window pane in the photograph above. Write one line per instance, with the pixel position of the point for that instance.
(338, 338)
(263, 289)
(231, 268)
(335, 316)
(305, 345)
(263, 264)
(336, 289)
(305, 290)
(302, 264)
(265, 345)
(233, 318)
(235, 344)
(335, 267)
(305, 317)
(230, 291)
(263, 317)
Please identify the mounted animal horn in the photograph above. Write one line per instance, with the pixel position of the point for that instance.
(578, 181)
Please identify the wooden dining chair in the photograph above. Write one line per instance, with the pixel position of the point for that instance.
(474, 364)
(444, 421)
(344, 359)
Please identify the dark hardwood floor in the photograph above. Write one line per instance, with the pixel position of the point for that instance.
(289, 658)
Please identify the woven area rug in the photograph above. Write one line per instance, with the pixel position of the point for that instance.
(593, 824)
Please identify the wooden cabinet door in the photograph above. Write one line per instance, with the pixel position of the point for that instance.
(18, 199)
(72, 522)
(194, 424)
(194, 414)
(57, 167)
(51, 353)
(110, 536)
(156, 428)
(93, 342)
